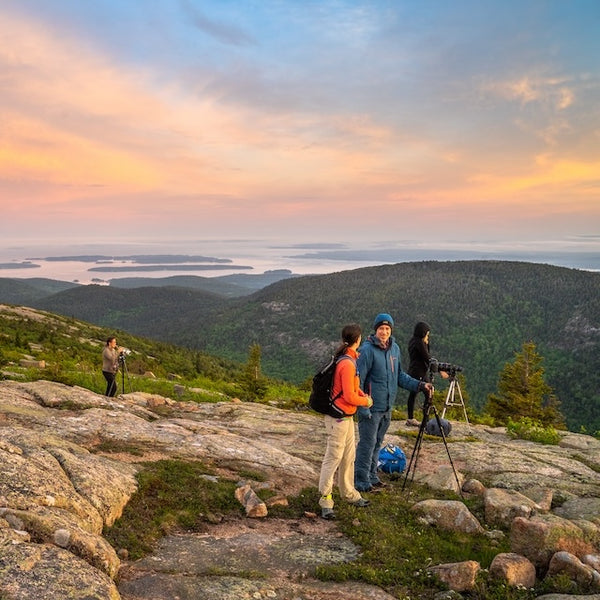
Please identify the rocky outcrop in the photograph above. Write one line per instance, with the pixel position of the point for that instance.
(68, 464)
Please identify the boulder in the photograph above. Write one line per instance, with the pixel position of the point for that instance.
(515, 570)
(569, 564)
(540, 537)
(450, 515)
(459, 577)
(253, 505)
(502, 506)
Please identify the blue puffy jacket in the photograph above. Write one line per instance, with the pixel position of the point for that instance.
(381, 373)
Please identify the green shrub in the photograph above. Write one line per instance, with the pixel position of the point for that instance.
(530, 429)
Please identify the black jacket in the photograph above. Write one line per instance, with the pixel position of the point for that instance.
(418, 352)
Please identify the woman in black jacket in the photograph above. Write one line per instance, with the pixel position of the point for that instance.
(418, 352)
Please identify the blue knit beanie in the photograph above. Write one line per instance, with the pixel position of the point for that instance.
(383, 319)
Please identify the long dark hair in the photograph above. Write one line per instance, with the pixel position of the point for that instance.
(350, 334)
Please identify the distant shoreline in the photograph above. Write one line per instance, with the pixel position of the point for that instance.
(260, 258)
(168, 267)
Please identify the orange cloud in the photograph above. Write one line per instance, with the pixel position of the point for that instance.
(550, 180)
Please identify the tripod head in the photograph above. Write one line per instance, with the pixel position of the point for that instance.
(123, 352)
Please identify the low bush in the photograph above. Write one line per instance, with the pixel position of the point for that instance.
(530, 429)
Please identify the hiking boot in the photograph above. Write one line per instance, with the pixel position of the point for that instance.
(364, 488)
(379, 484)
(361, 503)
(412, 423)
(327, 513)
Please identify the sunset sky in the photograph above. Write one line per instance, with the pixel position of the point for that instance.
(305, 120)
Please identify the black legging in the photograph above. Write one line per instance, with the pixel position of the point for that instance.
(410, 403)
(111, 384)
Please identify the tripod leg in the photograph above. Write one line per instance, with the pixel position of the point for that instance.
(462, 402)
(449, 397)
(412, 463)
(439, 423)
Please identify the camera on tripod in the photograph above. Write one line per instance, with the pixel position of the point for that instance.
(123, 353)
(435, 366)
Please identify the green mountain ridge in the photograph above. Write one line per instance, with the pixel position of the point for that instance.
(26, 291)
(229, 286)
(481, 312)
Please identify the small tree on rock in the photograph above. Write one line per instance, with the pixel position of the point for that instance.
(523, 392)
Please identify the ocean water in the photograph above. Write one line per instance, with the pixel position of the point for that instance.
(97, 262)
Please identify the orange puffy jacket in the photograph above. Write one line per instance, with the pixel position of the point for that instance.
(347, 381)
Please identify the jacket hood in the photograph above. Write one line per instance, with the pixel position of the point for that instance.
(421, 328)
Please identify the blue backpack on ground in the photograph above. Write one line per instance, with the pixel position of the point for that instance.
(391, 459)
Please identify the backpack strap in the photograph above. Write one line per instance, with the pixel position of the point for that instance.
(339, 360)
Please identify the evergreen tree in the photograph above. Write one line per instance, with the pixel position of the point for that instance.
(523, 392)
(252, 381)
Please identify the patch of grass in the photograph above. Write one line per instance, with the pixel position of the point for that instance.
(252, 475)
(242, 573)
(117, 447)
(530, 429)
(561, 583)
(173, 495)
(487, 588)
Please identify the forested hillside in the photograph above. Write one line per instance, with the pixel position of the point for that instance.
(481, 312)
(159, 312)
(240, 284)
(27, 291)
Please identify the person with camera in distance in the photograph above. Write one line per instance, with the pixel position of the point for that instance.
(341, 449)
(418, 367)
(380, 369)
(110, 365)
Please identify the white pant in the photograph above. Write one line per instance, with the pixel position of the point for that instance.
(339, 456)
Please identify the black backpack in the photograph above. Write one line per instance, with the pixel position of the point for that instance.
(320, 398)
(432, 427)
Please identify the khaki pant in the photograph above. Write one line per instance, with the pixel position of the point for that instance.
(339, 456)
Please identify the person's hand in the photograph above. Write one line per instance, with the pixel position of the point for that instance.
(363, 413)
(429, 389)
(369, 401)
(444, 375)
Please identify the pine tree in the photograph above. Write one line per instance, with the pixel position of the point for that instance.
(252, 381)
(523, 392)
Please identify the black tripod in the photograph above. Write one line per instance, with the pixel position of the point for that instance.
(123, 367)
(412, 463)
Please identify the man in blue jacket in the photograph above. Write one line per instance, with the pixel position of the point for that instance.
(380, 370)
